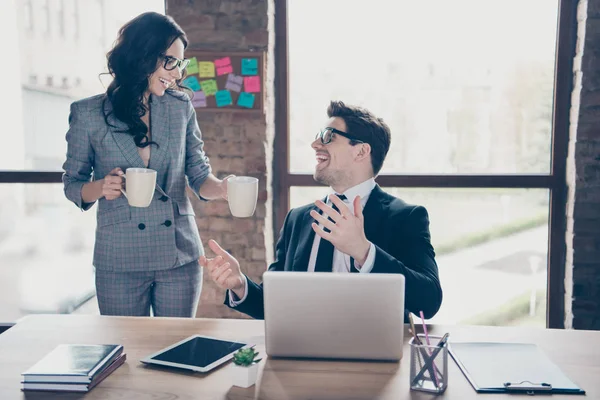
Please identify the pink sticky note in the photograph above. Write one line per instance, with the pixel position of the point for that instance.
(252, 84)
(222, 62)
(228, 69)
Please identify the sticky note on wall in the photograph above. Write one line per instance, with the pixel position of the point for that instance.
(207, 69)
(199, 100)
(252, 84)
(222, 62)
(192, 83)
(249, 66)
(223, 98)
(234, 83)
(224, 70)
(246, 100)
(209, 87)
(192, 67)
(223, 66)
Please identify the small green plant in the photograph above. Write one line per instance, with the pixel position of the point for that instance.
(245, 357)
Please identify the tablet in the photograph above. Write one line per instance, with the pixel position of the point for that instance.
(197, 353)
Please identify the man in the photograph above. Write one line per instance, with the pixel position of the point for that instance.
(368, 230)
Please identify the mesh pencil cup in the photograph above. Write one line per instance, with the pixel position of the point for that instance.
(428, 365)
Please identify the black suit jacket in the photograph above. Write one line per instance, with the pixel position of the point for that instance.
(400, 233)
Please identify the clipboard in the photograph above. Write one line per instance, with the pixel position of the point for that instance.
(510, 368)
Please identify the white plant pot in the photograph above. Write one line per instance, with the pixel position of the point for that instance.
(244, 376)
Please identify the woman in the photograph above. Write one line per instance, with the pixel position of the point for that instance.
(144, 257)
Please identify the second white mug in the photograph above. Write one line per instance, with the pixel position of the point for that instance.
(139, 186)
(242, 193)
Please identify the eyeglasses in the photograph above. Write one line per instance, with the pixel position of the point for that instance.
(173, 62)
(327, 134)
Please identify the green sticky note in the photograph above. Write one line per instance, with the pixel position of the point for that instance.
(209, 87)
(223, 98)
(192, 67)
(246, 100)
(249, 66)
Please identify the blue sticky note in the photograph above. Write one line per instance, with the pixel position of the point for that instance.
(246, 100)
(192, 83)
(223, 98)
(249, 66)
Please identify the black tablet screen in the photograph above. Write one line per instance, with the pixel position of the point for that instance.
(199, 351)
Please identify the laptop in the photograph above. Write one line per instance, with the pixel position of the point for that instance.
(334, 315)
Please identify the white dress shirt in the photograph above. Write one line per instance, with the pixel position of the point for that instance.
(341, 261)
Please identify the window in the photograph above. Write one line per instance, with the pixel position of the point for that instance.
(27, 16)
(45, 18)
(46, 247)
(46, 243)
(75, 19)
(61, 18)
(479, 120)
(491, 250)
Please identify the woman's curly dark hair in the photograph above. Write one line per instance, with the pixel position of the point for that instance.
(140, 46)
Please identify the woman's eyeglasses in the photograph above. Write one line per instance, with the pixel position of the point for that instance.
(327, 134)
(173, 62)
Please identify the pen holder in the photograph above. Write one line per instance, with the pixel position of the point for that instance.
(428, 365)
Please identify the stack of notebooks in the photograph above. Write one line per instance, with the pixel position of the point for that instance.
(73, 367)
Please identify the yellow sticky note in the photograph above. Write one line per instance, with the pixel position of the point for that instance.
(207, 69)
(192, 67)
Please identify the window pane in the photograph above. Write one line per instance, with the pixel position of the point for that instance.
(465, 89)
(46, 246)
(491, 250)
(52, 68)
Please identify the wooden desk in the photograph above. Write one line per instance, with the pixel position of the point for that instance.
(24, 344)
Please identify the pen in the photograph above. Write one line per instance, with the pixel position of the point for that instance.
(414, 331)
(424, 328)
(430, 360)
(416, 339)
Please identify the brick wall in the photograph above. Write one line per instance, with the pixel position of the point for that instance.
(583, 208)
(236, 143)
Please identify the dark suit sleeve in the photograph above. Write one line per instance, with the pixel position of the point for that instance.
(412, 255)
(254, 303)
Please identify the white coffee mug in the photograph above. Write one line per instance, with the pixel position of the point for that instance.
(242, 192)
(139, 186)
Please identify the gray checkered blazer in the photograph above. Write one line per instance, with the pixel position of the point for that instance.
(165, 234)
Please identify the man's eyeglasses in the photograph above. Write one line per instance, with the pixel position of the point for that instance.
(173, 62)
(327, 134)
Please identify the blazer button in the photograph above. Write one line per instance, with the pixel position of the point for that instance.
(141, 227)
(164, 198)
(167, 223)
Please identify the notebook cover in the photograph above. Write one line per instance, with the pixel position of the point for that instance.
(76, 387)
(73, 363)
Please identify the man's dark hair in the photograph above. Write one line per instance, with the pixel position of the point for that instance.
(363, 125)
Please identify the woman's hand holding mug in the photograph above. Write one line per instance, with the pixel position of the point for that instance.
(224, 192)
(112, 184)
